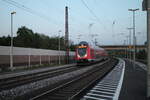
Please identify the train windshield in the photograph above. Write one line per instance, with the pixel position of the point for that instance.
(82, 51)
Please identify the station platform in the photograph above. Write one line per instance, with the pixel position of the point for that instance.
(12, 74)
(134, 82)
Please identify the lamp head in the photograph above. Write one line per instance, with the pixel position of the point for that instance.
(133, 9)
(13, 12)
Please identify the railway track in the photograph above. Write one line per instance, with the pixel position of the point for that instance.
(8, 83)
(72, 89)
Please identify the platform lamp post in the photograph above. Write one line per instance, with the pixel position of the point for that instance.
(11, 48)
(133, 10)
(130, 48)
(126, 46)
(59, 45)
(138, 33)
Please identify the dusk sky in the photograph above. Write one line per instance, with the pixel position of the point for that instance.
(109, 18)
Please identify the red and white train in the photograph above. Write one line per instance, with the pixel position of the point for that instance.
(86, 53)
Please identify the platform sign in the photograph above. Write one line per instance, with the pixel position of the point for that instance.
(130, 47)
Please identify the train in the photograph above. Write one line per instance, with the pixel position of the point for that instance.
(87, 54)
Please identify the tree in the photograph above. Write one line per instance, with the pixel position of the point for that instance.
(5, 41)
(24, 37)
(27, 38)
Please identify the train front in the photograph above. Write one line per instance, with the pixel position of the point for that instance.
(82, 53)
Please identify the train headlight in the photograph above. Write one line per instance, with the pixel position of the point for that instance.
(85, 55)
(78, 56)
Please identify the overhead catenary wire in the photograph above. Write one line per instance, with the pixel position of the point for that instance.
(94, 15)
(29, 10)
(71, 18)
(60, 12)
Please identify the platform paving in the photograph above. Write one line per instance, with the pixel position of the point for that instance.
(134, 83)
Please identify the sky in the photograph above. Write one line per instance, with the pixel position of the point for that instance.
(105, 21)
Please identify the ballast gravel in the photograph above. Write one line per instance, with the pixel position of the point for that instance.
(21, 90)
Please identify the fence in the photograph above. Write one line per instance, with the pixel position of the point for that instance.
(30, 56)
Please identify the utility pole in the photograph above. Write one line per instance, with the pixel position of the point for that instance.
(133, 10)
(66, 35)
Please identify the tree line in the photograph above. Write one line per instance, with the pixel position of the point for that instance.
(27, 38)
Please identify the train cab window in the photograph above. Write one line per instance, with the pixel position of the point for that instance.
(81, 51)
